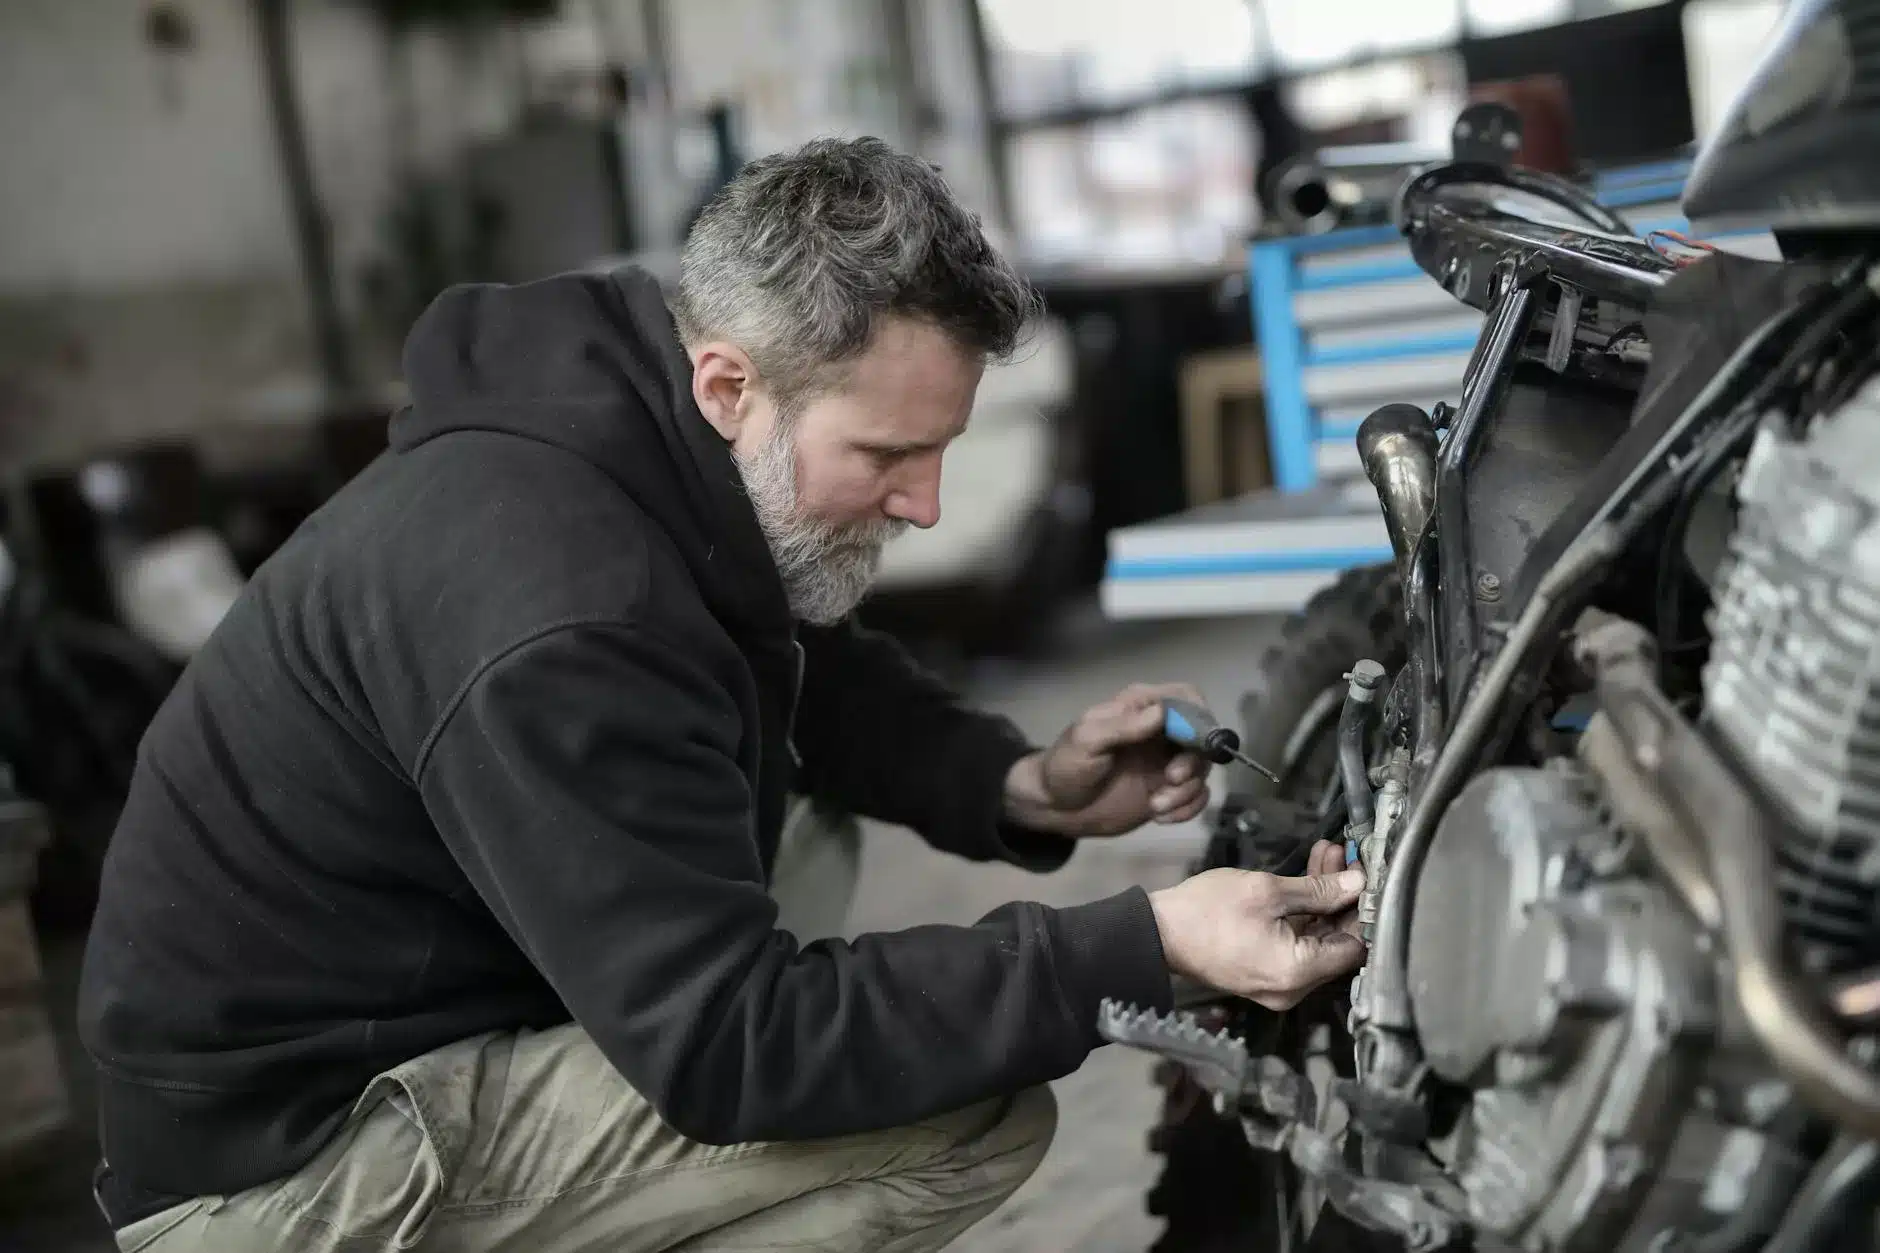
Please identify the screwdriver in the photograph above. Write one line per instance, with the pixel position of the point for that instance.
(1189, 725)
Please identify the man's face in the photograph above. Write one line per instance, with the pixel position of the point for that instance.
(838, 478)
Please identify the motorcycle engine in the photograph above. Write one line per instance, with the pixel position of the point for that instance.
(1793, 684)
(1612, 1098)
(1575, 1001)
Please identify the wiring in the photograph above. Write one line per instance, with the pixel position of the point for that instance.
(1682, 250)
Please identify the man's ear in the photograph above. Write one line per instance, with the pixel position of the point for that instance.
(723, 387)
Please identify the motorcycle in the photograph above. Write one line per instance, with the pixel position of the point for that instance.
(1605, 737)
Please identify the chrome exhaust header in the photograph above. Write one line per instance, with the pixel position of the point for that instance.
(1398, 447)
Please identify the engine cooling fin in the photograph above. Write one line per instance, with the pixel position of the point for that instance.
(1792, 687)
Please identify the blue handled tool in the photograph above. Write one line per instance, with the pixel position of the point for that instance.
(1194, 726)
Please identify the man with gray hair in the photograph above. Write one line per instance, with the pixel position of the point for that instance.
(439, 915)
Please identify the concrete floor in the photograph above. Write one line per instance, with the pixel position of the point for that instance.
(1087, 1195)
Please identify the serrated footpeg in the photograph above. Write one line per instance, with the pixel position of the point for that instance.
(1218, 1060)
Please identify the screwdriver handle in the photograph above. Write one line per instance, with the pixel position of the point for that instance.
(1188, 725)
(1194, 726)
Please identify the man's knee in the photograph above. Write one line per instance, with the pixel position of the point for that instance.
(1004, 1157)
(941, 1176)
(1034, 1119)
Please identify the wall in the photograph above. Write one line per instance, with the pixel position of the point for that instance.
(796, 67)
(137, 168)
(799, 69)
(149, 279)
(146, 266)
(144, 167)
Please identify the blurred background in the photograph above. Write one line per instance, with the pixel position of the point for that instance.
(218, 218)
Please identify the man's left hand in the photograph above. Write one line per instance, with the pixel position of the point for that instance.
(1110, 771)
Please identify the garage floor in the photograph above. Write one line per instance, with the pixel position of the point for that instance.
(1087, 1196)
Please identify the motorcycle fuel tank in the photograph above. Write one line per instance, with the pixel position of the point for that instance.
(1796, 148)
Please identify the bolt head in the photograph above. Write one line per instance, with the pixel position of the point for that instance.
(1488, 587)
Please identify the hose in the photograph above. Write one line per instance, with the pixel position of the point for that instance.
(1354, 725)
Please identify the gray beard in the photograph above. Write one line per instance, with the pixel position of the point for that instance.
(826, 570)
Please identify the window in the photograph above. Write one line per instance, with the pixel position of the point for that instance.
(1059, 54)
(1418, 96)
(1504, 17)
(1309, 33)
(1170, 183)
(1723, 39)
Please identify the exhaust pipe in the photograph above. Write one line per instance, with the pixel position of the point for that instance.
(1714, 840)
(1323, 190)
(1308, 201)
(1398, 447)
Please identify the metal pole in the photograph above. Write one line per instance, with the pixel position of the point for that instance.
(992, 133)
(310, 225)
(913, 104)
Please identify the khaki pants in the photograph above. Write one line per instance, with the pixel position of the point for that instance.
(530, 1142)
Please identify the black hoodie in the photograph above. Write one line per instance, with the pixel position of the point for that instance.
(501, 737)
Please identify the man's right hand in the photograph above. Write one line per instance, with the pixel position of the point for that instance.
(1269, 938)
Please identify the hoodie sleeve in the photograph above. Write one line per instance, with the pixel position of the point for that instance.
(588, 784)
(882, 737)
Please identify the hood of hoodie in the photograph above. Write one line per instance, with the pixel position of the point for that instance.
(591, 363)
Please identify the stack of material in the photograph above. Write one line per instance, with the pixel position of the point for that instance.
(33, 1101)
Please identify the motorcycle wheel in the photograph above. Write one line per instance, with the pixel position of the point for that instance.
(1216, 1193)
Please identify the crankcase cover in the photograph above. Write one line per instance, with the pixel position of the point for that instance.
(1569, 992)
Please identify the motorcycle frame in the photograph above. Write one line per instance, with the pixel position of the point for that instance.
(1526, 263)
(1653, 465)
(1534, 281)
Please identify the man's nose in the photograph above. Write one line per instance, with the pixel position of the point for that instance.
(916, 502)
